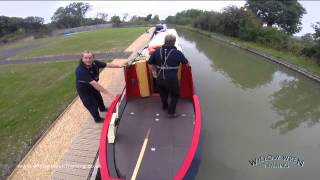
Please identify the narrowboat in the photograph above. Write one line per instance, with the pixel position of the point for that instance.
(138, 140)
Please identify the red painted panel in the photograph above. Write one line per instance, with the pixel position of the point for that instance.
(132, 84)
(186, 82)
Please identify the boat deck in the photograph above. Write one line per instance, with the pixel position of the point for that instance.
(168, 143)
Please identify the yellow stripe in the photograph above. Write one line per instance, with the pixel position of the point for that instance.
(142, 74)
(136, 169)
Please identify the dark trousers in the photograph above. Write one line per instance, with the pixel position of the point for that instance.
(93, 102)
(99, 99)
(169, 88)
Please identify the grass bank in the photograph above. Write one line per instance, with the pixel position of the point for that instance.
(109, 39)
(301, 61)
(32, 96)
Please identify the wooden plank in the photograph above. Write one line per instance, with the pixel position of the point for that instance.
(143, 148)
(141, 69)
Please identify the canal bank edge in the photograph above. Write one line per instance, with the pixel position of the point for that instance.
(291, 66)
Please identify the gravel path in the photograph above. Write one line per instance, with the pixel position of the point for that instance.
(7, 53)
(4, 54)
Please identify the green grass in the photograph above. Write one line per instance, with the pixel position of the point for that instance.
(32, 96)
(301, 61)
(110, 39)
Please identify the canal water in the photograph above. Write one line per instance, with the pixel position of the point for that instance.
(260, 119)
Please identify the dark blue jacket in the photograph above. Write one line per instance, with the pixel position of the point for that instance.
(167, 60)
(85, 75)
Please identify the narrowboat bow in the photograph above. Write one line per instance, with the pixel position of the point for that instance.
(138, 140)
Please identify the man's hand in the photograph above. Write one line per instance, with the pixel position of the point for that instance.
(102, 90)
(117, 63)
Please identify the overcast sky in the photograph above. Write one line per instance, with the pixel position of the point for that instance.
(46, 9)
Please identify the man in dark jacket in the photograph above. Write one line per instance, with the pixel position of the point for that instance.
(164, 63)
(88, 88)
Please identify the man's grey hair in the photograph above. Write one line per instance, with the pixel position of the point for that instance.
(170, 40)
(87, 52)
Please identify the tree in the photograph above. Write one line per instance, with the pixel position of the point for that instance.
(125, 15)
(14, 28)
(138, 20)
(34, 20)
(10, 25)
(187, 16)
(206, 21)
(231, 21)
(191, 13)
(171, 20)
(33, 23)
(286, 14)
(307, 38)
(93, 21)
(134, 18)
(312, 49)
(70, 16)
(316, 36)
(103, 16)
(115, 20)
(148, 18)
(155, 19)
(316, 28)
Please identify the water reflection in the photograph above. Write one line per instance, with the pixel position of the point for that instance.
(241, 96)
(244, 70)
(298, 101)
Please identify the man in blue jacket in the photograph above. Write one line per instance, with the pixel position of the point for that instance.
(88, 88)
(164, 63)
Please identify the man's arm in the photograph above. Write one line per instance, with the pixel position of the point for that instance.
(116, 64)
(152, 65)
(99, 88)
(183, 59)
(153, 70)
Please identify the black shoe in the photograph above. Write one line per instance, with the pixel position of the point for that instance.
(175, 115)
(99, 120)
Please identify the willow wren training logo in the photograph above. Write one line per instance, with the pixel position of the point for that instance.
(276, 161)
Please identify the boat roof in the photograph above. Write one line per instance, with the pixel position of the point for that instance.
(168, 143)
(158, 39)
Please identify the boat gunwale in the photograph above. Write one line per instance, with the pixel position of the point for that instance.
(104, 170)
